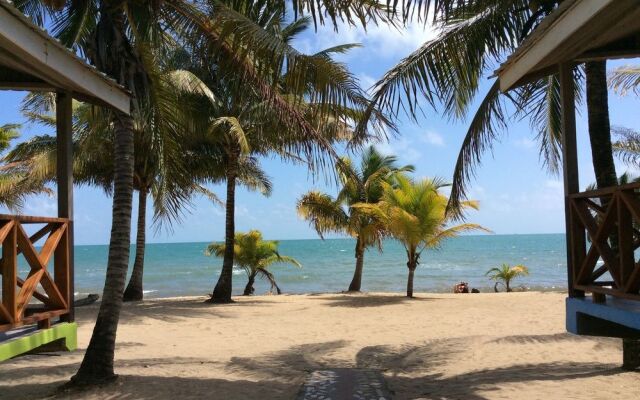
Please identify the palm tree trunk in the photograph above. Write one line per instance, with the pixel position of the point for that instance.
(412, 264)
(222, 290)
(599, 125)
(134, 290)
(248, 290)
(97, 364)
(356, 282)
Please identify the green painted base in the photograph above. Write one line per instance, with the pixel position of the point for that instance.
(65, 333)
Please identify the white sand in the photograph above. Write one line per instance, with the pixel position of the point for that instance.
(476, 346)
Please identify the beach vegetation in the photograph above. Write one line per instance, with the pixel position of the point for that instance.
(415, 214)
(505, 274)
(363, 183)
(255, 256)
(16, 182)
(448, 74)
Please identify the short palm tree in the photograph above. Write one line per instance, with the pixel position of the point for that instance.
(505, 274)
(255, 256)
(359, 185)
(415, 214)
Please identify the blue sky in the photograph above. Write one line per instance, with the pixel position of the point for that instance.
(515, 193)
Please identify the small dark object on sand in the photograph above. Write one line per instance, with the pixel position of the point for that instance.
(474, 290)
(90, 299)
(462, 287)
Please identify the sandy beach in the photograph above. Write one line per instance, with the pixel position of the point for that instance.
(436, 346)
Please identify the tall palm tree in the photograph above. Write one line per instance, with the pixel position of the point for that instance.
(244, 126)
(505, 274)
(447, 73)
(359, 185)
(114, 36)
(415, 214)
(255, 256)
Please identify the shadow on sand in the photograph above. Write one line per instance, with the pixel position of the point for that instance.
(369, 300)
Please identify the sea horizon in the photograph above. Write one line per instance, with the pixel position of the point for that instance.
(182, 269)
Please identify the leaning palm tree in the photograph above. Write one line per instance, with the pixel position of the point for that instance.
(505, 274)
(448, 72)
(415, 214)
(255, 256)
(359, 185)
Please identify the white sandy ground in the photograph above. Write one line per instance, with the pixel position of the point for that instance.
(437, 346)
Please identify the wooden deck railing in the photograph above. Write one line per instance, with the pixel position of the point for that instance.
(611, 220)
(43, 294)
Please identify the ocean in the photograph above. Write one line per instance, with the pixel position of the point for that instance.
(182, 269)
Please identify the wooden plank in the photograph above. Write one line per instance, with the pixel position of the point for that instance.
(64, 132)
(51, 244)
(29, 219)
(29, 252)
(611, 292)
(606, 191)
(575, 235)
(56, 298)
(4, 231)
(633, 284)
(62, 277)
(9, 267)
(32, 319)
(632, 203)
(599, 235)
(625, 242)
(34, 238)
(27, 290)
(5, 315)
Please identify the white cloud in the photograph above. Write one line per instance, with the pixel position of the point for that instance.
(379, 41)
(402, 148)
(525, 143)
(433, 138)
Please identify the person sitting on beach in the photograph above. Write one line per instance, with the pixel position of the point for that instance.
(462, 287)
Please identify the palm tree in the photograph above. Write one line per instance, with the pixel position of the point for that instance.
(359, 185)
(415, 214)
(243, 126)
(115, 36)
(154, 172)
(255, 256)
(505, 274)
(15, 182)
(447, 73)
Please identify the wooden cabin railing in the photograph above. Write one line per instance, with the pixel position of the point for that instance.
(604, 235)
(42, 294)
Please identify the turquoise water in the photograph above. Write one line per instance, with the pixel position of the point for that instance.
(178, 269)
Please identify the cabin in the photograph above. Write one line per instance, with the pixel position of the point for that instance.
(37, 308)
(602, 226)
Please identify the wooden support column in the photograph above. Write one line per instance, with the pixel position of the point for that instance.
(64, 165)
(576, 244)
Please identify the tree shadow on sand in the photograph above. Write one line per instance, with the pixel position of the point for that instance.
(129, 387)
(411, 370)
(163, 310)
(369, 300)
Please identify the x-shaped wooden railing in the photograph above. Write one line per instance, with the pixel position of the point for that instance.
(611, 219)
(52, 293)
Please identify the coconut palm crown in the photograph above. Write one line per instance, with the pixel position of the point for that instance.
(415, 214)
(363, 184)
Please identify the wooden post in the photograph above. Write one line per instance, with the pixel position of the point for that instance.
(64, 165)
(10, 272)
(576, 243)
